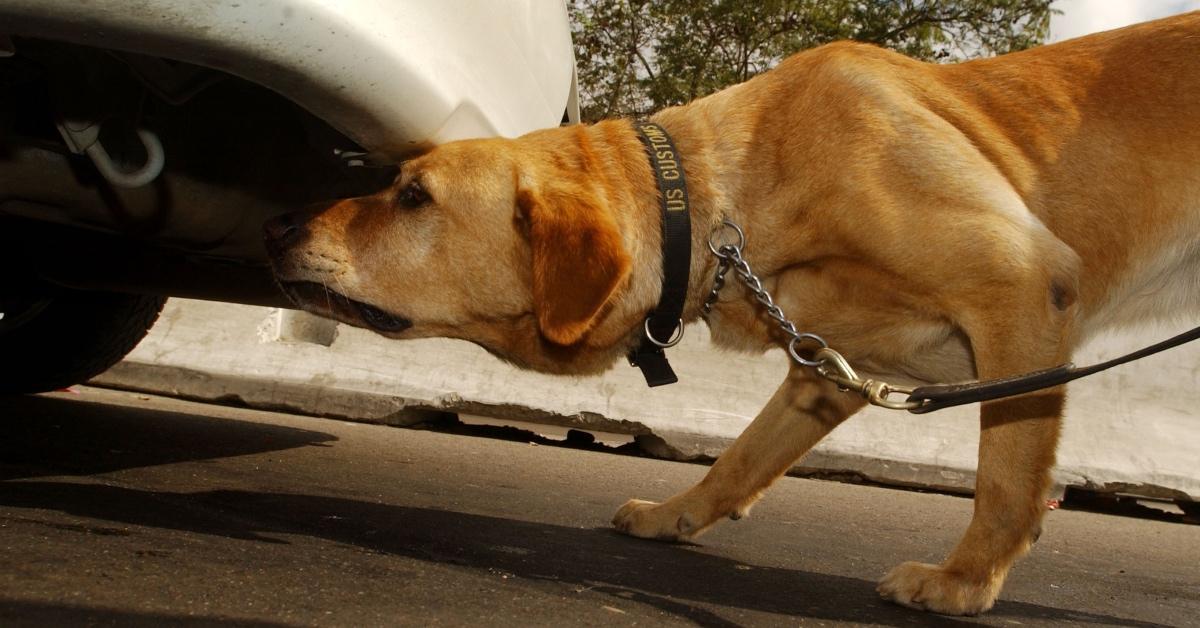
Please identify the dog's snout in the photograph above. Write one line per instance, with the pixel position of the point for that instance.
(283, 231)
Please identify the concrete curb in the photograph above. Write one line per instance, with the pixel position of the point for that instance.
(1122, 434)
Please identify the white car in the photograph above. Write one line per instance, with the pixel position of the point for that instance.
(143, 143)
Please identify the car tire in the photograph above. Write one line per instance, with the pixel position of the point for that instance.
(70, 337)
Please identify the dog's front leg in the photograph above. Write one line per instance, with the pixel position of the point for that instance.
(804, 409)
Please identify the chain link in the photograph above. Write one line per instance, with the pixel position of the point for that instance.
(828, 363)
(718, 283)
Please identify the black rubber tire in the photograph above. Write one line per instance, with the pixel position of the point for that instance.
(77, 336)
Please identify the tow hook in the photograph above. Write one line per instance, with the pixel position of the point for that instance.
(83, 138)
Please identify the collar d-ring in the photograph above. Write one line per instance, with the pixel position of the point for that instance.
(669, 343)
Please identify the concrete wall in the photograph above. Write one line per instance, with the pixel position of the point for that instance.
(1135, 429)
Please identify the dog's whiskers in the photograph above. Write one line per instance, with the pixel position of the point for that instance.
(341, 287)
(328, 297)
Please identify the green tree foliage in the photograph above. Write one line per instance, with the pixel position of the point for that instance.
(637, 56)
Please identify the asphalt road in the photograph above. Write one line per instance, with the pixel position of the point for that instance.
(122, 509)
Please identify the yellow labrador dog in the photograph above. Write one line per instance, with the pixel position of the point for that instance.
(935, 223)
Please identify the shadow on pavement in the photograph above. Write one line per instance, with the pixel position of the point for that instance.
(680, 580)
(24, 613)
(41, 436)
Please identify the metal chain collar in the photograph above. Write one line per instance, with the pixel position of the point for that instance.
(726, 242)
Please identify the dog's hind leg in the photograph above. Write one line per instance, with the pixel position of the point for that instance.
(803, 410)
(1016, 453)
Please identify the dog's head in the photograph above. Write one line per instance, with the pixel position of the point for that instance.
(507, 243)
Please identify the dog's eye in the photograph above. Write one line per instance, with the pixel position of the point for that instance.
(412, 196)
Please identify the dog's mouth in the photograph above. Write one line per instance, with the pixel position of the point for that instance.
(320, 300)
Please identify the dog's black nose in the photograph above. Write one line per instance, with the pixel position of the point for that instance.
(282, 231)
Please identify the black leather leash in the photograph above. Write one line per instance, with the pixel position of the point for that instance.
(664, 326)
(948, 395)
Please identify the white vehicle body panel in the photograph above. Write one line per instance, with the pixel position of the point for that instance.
(393, 75)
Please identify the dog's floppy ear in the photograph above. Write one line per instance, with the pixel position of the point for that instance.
(579, 260)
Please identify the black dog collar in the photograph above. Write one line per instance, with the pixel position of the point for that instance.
(664, 326)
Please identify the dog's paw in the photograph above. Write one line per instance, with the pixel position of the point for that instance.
(649, 520)
(932, 588)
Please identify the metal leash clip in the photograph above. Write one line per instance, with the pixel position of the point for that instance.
(834, 367)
